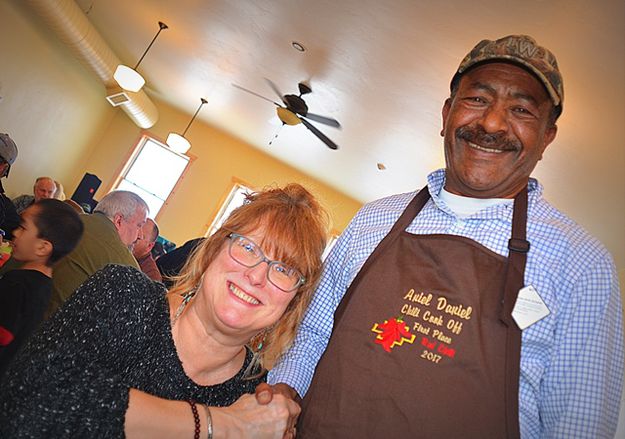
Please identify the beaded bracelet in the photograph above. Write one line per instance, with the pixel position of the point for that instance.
(209, 422)
(196, 419)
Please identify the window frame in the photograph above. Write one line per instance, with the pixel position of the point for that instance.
(218, 217)
(134, 154)
(332, 238)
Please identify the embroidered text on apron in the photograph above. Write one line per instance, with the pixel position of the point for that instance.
(423, 344)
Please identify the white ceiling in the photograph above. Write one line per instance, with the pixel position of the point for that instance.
(382, 68)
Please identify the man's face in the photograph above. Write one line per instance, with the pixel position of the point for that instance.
(130, 229)
(144, 243)
(44, 188)
(496, 128)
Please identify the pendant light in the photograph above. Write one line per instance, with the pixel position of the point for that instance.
(178, 142)
(129, 79)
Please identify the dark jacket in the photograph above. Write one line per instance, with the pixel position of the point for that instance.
(9, 219)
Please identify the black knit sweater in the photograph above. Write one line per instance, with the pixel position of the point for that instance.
(73, 378)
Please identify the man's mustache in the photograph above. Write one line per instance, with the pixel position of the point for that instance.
(497, 140)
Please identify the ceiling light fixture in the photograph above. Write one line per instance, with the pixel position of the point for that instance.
(298, 46)
(178, 142)
(129, 79)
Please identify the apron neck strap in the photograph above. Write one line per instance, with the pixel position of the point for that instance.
(518, 248)
(411, 211)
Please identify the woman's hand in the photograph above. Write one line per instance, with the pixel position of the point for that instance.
(246, 418)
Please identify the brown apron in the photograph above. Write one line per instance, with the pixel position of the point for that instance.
(423, 343)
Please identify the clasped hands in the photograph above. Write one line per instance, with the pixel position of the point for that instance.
(281, 393)
(269, 414)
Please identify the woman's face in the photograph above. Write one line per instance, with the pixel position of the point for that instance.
(241, 300)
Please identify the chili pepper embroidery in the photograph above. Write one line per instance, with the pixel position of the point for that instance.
(391, 333)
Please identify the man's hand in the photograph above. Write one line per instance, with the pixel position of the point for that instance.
(265, 392)
(264, 395)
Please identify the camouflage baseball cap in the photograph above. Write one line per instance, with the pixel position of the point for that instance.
(8, 148)
(518, 49)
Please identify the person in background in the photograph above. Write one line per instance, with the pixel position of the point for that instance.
(59, 193)
(123, 359)
(472, 308)
(74, 205)
(172, 262)
(158, 250)
(9, 218)
(49, 230)
(44, 188)
(142, 250)
(110, 232)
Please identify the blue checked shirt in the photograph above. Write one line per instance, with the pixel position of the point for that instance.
(571, 361)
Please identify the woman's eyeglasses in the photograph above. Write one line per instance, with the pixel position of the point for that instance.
(247, 253)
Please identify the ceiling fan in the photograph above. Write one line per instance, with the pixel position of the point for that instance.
(295, 111)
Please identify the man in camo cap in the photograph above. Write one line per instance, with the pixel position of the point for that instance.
(472, 308)
(9, 219)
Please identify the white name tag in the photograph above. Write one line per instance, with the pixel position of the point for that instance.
(529, 308)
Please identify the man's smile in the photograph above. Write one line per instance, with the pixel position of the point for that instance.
(482, 148)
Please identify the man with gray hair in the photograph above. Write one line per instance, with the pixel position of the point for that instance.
(110, 233)
(44, 188)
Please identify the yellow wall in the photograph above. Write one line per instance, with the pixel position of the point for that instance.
(49, 104)
(219, 158)
(56, 112)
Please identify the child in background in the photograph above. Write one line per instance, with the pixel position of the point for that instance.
(49, 229)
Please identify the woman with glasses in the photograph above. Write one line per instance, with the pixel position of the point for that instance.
(124, 359)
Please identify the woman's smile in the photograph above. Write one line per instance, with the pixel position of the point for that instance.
(240, 294)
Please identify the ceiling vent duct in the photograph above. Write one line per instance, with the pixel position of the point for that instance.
(73, 28)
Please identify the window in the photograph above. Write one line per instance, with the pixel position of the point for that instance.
(334, 235)
(152, 172)
(235, 198)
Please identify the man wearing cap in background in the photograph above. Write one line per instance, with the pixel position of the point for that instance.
(472, 308)
(9, 219)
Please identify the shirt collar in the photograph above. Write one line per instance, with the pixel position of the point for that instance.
(436, 181)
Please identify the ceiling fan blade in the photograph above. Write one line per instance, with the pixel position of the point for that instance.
(276, 90)
(255, 94)
(319, 134)
(324, 120)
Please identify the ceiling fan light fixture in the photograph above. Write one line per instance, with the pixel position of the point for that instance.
(178, 143)
(287, 116)
(295, 111)
(128, 78)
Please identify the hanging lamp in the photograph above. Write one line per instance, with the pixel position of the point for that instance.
(128, 78)
(178, 142)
